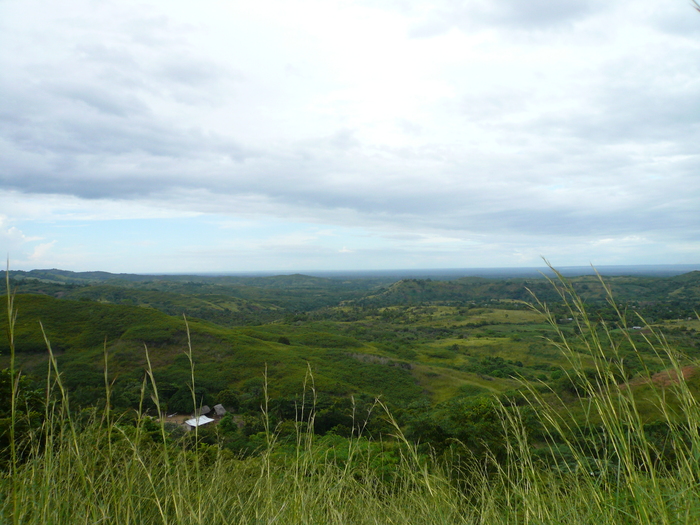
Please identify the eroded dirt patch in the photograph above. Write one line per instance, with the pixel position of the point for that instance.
(664, 378)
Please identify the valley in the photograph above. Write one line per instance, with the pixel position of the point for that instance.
(411, 343)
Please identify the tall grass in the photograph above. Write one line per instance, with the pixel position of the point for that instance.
(96, 467)
(14, 386)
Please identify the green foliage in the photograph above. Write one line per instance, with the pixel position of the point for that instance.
(229, 399)
(183, 402)
(605, 444)
(325, 340)
(30, 407)
(76, 324)
(471, 390)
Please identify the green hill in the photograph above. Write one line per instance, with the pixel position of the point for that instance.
(414, 340)
(636, 289)
(225, 358)
(227, 300)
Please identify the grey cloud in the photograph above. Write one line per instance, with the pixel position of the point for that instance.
(478, 206)
(513, 14)
(152, 31)
(102, 155)
(92, 121)
(76, 126)
(494, 106)
(194, 82)
(193, 73)
(410, 127)
(650, 102)
(574, 223)
(627, 103)
(536, 13)
(106, 55)
(342, 141)
(675, 18)
(553, 173)
(80, 141)
(97, 97)
(156, 60)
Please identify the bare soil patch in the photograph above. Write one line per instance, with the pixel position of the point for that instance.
(664, 378)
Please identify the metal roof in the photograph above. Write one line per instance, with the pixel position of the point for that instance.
(199, 421)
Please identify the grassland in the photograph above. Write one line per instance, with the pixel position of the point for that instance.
(447, 406)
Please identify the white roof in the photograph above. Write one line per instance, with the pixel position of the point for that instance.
(199, 421)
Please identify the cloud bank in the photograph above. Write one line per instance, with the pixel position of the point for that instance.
(420, 133)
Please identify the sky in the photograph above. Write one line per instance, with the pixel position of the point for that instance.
(263, 135)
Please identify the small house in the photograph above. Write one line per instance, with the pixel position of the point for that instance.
(198, 421)
(203, 411)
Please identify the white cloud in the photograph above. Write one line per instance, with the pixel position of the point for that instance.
(13, 235)
(561, 123)
(39, 255)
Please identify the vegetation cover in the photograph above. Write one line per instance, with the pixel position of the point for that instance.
(349, 401)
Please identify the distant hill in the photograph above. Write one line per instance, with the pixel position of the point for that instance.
(227, 300)
(684, 287)
(123, 279)
(235, 300)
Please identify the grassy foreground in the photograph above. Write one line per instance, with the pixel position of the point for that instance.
(96, 467)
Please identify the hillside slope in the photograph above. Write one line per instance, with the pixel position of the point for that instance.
(637, 289)
(224, 358)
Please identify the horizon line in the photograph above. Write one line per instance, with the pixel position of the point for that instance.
(617, 269)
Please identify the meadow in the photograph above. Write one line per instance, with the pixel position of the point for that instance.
(411, 402)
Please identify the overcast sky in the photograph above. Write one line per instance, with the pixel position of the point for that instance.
(179, 136)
